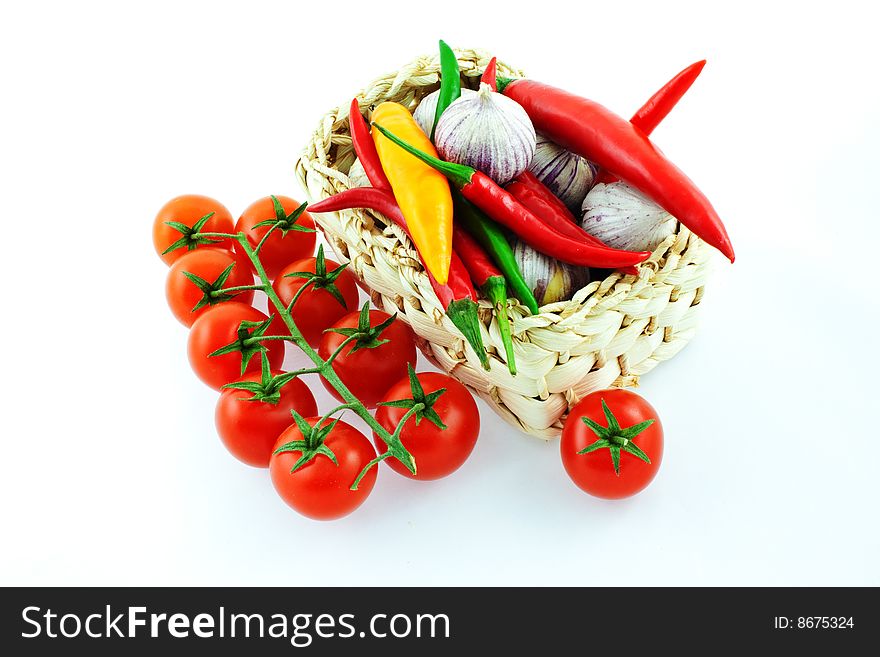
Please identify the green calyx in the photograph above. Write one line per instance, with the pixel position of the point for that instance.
(459, 174)
(285, 222)
(422, 403)
(312, 443)
(190, 237)
(212, 293)
(268, 388)
(464, 314)
(502, 83)
(450, 83)
(321, 279)
(247, 342)
(616, 439)
(495, 289)
(365, 336)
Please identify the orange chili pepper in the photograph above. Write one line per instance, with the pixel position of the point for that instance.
(421, 192)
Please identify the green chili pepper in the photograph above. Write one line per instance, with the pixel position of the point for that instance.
(450, 82)
(492, 238)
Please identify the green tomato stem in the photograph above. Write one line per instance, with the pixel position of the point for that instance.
(323, 367)
(297, 295)
(384, 455)
(342, 345)
(237, 288)
(265, 237)
(225, 236)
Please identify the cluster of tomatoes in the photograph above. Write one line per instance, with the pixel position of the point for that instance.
(611, 445)
(267, 417)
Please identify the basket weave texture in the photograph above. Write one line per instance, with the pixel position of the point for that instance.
(609, 334)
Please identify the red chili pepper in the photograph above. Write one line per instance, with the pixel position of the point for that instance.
(365, 149)
(533, 194)
(501, 206)
(660, 104)
(379, 200)
(530, 180)
(490, 75)
(594, 132)
(562, 223)
(489, 278)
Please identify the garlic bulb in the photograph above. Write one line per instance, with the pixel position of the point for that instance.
(357, 177)
(566, 174)
(549, 279)
(425, 111)
(489, 132)
(624, 218)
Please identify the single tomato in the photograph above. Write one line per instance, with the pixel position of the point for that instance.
(210, 270)
(251, 416)
(293, 239)
(219, 327)
(612, 443)
(188, 210)
(440, 437)
(320, 488)
(332, 293)
(369, 365)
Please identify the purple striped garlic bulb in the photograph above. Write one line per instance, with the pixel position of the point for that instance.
(566, 174)
(424, 114)
(489, 132)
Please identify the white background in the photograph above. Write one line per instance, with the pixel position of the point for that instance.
(111, 471)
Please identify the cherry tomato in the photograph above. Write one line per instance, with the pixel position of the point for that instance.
(282, 247)
(187, 210)
(368, 373)
(316, 309)
(217, 328)
(594, 471)
(320, 488)
(250, 428)
(438, 452)
(208, 264)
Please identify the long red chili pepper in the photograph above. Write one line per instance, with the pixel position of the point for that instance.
(530, 180)
(490, 75)
(592, 131)
(501, 206)
(489, 278)
(660, 104)
(365, 149)
(547, 211)
(533, 194)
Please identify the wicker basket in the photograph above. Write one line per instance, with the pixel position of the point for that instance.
(610, 333)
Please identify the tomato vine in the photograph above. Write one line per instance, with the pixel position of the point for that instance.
(252, 336)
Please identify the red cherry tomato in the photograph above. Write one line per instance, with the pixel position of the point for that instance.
(187, 210)
(438, 452)
(208, 264)
(217, 328)
(320, 488)
(594, 471)
(316, 309)
(280, 249)
(368, 373)
(249, 429)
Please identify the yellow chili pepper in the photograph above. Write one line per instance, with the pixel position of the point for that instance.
(421, 192)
